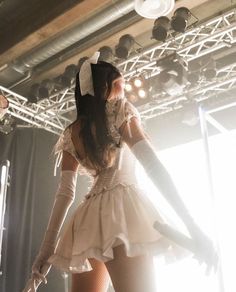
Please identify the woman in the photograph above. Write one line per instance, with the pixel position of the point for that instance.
(111, 233)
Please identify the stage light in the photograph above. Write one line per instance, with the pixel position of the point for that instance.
(71, 71)
(153, 8)
(106, 54)
(180, 19)
(4, 105)
(43, 93)
(193, 77)
(173, 76)
(68, 77)
(137, 82)
(142, 93)
(124, 46)
(7, 125)
(33, 93)
(136, 89)
(194, 71)
(128, 87)
(160, 28)
(170, 84)
(210, 69)
(48, 84)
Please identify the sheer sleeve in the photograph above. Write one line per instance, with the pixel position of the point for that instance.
(118, 112)
(126, 111)
(64, 143)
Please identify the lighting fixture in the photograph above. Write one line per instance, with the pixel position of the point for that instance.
(137, 82)
(153, 8)
(161, 28)
(128, 87)
(106, 54)
(210, 69)
(33, 93)
(172, 78)
(68, 77)
(180, 19)
(124, 46)
(136, 89)
(7, 125)
(142, 93)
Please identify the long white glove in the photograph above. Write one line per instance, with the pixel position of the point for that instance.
(63, 199)
(204, 249)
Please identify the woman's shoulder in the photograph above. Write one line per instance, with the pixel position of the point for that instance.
(126, 110)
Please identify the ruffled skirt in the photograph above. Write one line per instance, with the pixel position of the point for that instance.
(121, 215)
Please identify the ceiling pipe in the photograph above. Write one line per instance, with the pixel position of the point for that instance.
(70, 37)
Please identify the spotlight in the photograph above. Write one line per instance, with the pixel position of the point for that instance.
(68, 77)
(126, 43)
(169, 83)
(142, 93)
(153, 8)
(4, 105)
(180, 19)
(173, 78)
(33, 93)
(136, 89)
(160, 29)
(194, 71)
(210, 70)
(71, 71)
(65, 81)
(106, 54)
(193, 78)
(43, 93)
(7, 125)
(128, 87)
(137, 82)
(48, 83)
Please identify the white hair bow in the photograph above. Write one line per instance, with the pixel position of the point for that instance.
(85, 75)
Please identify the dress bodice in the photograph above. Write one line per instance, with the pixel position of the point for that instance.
(123, 170)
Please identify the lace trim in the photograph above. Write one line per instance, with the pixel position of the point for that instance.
(118, 111)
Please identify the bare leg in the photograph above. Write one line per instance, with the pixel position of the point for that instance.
(96, 280)
(131, 274)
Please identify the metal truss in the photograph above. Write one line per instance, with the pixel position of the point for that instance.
(52, 113)
(36, 114)
(224, 81)
(204, 39)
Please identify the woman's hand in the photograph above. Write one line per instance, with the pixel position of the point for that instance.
(40, 269)
(199, 244)
(37, 277)
(203, 248)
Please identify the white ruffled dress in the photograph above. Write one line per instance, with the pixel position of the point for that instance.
(115, 211)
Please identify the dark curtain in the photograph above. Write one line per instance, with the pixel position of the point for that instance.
(29, 200)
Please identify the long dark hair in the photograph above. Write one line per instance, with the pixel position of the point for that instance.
(91, 113)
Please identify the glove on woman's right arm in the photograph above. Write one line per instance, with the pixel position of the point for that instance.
(63, 200)
(146, 155)
(141, 147)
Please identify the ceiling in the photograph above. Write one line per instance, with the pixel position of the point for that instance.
(26, 25)
(39, 38)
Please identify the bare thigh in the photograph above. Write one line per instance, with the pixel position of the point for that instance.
(96, 280)
(131, 274)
